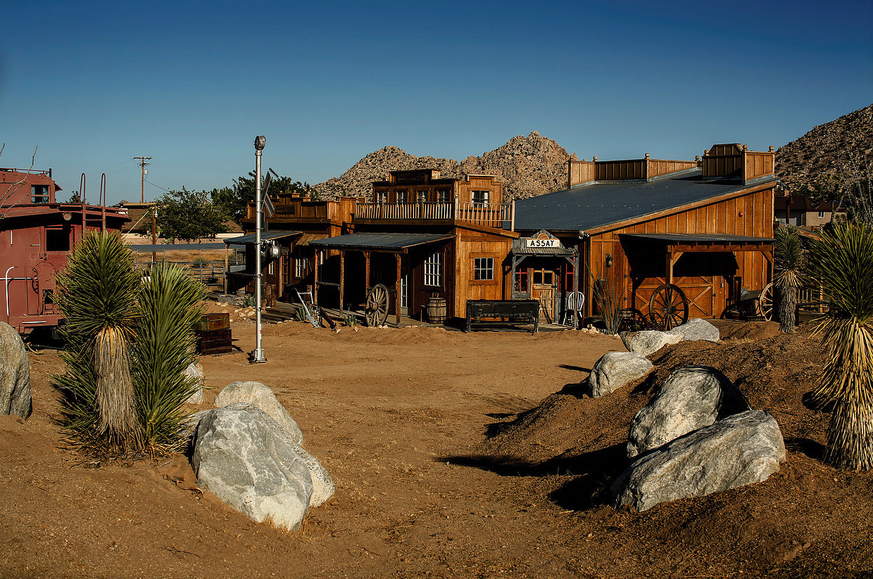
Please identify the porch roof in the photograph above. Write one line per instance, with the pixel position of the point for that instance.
(705, 241)
(392, 242)
(265, 235)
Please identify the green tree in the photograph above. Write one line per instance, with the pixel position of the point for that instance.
(841, 261)
(128, 341)
(788, 265)
(234, 201)
(96, 293)
(189, 215)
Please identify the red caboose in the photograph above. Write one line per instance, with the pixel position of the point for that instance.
(36, 235)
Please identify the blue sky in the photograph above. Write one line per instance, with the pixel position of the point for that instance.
(190, 84)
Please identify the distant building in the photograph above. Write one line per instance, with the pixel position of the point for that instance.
(800, 211)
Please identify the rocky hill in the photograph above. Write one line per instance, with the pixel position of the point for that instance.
(529, 166)
(828, 160)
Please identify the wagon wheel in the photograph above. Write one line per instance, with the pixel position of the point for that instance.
(668, 307)
(765, 302)
(377, 305)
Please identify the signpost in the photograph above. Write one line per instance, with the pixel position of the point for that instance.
(257, 355)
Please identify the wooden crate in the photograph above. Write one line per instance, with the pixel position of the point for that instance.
(213, 322)
(214, 342)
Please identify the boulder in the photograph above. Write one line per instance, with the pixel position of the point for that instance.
(738, 450)
(322, 484)
(615, 369)
(648, 341)
(697, 329)
(14, 373)
(262, 397)
(247, 461)
(690, 398)
(195, 371)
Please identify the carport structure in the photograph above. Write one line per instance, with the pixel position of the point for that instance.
(372, 245)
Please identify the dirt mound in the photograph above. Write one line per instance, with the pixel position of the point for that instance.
(774, 373)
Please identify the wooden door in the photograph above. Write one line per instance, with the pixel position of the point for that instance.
(543, 288)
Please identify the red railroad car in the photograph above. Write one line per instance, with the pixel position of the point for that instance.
(36, 235)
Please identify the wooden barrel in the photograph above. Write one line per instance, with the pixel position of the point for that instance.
(436, 310)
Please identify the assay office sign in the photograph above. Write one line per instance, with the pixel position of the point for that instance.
(540, 243)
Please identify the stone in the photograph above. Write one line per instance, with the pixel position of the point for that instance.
(739, 450)
(697, 329)
(262, 397)
(690, 398)
(195, 371)
(615, 369)
(322, 484)
(247, 461)
(14, 374)
(648, 341)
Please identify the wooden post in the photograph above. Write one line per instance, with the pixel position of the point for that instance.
(226, 249)
(315, 269)
(397, 292)
(367, 271)
(342, 279)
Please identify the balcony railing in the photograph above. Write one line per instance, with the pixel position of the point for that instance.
(491, 215)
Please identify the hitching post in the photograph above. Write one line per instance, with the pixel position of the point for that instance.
(257, 355)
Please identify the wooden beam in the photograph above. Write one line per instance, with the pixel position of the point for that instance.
(366, 271)
(342, 280)
(397, 292)
(316, 267)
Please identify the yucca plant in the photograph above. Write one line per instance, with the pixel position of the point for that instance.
(788, 265)
(97, 293)
(841, 261)
(129, 340)
(168, 309)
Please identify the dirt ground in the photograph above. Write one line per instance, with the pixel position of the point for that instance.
(454, 455)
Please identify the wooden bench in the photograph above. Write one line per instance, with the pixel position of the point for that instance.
(503, 312)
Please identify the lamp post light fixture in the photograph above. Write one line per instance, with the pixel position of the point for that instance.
(257, 356)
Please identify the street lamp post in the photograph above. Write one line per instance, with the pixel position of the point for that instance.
(257, 356)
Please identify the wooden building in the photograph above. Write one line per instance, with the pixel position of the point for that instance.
(36, 235)
(800, 211)
(423, 238)
(295, 223)
(704, 226)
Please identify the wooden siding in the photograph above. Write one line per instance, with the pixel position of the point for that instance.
(748, 215)
(629, 170)
(734, 161)
(468, 246)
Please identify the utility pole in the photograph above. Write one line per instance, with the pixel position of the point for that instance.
(257, 356)
(143, 164)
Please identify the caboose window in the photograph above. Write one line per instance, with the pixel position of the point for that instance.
(39, 194)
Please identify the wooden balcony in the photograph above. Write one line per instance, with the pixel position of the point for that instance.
(497, 215)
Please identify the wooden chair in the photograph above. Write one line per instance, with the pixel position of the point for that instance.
(575, 301)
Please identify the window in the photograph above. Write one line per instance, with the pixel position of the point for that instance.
(39, 193)
(480, 198)
(300, 266)
(381, 197)
(401, 196)
(483, 268)
(821, 214)
(433, 270)
(521, 280)
(271, 268)
(422, 196)
(443, 196)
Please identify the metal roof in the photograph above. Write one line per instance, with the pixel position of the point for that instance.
(600, 204)
(176, 247)
(379, 241)
(250, 237)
